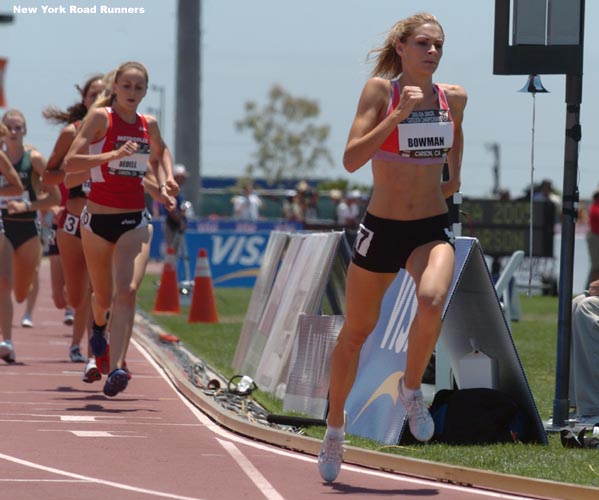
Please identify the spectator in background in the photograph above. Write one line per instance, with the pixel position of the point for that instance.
(175, 221)
(347, 210)
(305, 203)
(247, 205)
(287, 206)
(339, 203)
(354, 200)
(298, 204)
(584, 374)
(593, 237)
(545, 192)
(311, 204)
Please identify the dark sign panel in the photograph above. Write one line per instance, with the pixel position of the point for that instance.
(502, 227)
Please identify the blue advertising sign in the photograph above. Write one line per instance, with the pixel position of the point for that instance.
(234, 257)
(373, 408)
(235, 248)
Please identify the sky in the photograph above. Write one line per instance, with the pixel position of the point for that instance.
(314, 49)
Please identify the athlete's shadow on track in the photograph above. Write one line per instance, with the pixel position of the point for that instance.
(91, 393)
(94, 395)
(348, 489)
(95, 408)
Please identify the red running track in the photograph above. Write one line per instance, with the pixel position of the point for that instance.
(63, 439)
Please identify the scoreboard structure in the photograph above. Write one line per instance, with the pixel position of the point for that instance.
(502, 227)
(547, 37)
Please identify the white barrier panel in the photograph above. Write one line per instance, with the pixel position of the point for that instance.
(260, 293)
(472, 314)
(260, 337)
(303, 293)
(308, 382)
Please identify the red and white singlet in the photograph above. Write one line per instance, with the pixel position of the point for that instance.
(118, 183)
(424, 137)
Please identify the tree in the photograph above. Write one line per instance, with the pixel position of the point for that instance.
(289, 142)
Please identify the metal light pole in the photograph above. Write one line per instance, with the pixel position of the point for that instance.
(548, 38)
(569, 213)
(187, 119)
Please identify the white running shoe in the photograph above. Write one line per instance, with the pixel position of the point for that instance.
(75, 354)
(330, 457)
(7, 351)
(69, 316)
(91, 372)
(422, 425)
(26, 321)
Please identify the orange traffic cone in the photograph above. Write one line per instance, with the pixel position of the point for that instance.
(167, 298)
(203, 305)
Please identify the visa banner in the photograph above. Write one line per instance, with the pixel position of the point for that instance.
(235, 258)
(235, 248)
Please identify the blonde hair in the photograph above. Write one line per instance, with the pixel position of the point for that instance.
(15, 113)
(3, 131)
(387, 61)
(113, 76)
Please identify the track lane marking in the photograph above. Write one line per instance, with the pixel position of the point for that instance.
(89, 479)
(267, 489)
(217, 429)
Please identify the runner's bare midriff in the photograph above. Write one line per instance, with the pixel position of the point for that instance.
(405, 191)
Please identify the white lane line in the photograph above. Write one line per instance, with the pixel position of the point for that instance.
(41, 481)
(78, 433)
(88, 479)
(81, 418)
(250, 471)
(101, 422)
(99, 434)
(217, 429)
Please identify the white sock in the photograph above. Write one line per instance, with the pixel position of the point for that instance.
(408, 393)
(335, 432)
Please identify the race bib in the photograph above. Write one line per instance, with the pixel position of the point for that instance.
(71, 224)
(363, 240)
(426, 134)
(135, 165)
